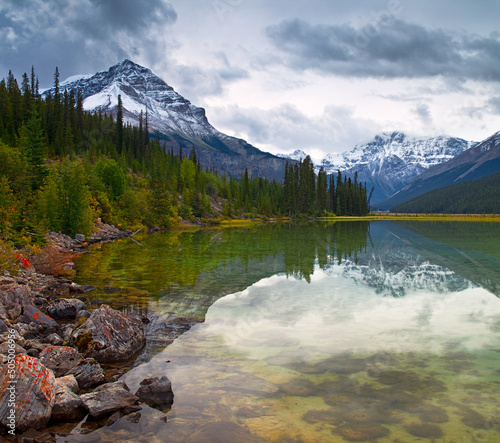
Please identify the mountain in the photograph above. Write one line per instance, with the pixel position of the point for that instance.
(392, 160)
(180, 123)
(298, 155)
(478, 196)
(481, 160)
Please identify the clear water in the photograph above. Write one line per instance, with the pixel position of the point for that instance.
(313, 332)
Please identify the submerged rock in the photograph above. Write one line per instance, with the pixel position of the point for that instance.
(156, 392)
(109, 398)
(32, 393)
(110, 336)
(224, 431)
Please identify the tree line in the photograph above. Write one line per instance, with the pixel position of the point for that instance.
(307, 194)
(478, 196)
(61, 168)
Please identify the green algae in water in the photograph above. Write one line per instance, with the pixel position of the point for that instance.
(302, 339)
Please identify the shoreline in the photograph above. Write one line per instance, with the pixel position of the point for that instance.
(43, 291)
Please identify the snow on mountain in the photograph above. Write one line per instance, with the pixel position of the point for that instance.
(392, 160)
(421, 152)
(481, 160)
(181, 124)
(298, 155)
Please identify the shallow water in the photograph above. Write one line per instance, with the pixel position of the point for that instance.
(313, 332)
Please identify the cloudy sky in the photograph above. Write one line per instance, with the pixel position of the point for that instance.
(319, 75)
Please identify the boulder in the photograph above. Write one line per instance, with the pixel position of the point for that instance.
(82, 314)
(79, 238)
(70, 382)
(61, 359)
(54, 339)
(13, 299)
(31, 314)
(88, 373)
(109, 336)
(109, 398)
(80, 289)
(6, 346)
(66, 308)
(31, 388)
(67, 405)
(156, 392)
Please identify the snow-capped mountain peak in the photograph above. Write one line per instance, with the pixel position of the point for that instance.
(393, 159)
(180, 124)
(298, 155)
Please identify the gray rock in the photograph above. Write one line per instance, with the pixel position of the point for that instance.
(34, 315)
(13, 300)
(115, 416)
(110, 336)
(70, 381)
(88, 373)
(80, 289)
(67, 405)
(34, 393)
(82, 314)
(66, 308)
(80, 238)
(4, 348)
(134, 417)
(61, 359)
(156, 392)
(54, 339)
(109, 398)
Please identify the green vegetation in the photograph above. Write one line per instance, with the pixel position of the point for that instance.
(473, 197)
(61, 168)
(307, 194)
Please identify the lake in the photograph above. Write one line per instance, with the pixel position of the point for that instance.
(310, 332)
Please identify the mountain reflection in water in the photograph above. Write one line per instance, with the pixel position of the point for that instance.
(314, 332)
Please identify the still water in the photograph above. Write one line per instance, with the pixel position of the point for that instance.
(348, 331)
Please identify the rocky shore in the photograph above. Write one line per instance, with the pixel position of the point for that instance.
(54, 352)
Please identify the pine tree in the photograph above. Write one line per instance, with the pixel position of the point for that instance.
(119, 125)
(33, 144)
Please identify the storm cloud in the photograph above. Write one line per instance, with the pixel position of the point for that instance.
(80, 35)
(387, 48)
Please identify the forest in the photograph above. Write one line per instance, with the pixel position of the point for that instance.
(472, 197)
(61, 168)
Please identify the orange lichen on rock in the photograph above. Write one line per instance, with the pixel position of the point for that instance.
(31, 389)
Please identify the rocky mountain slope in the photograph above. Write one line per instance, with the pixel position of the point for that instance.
(479, 161)
(180, 123)
(390, 161)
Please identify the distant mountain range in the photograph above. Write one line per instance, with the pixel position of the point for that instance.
(391, 161)
(470, 182)
(181, 124)
(397, 166)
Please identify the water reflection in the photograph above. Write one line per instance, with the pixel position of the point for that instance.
(318, 333)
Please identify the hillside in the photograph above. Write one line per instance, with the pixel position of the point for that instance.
(473, 197)
(180, 124)
(479, 161)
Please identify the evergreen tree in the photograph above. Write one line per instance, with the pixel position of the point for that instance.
(119, 125)
(33, 144)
